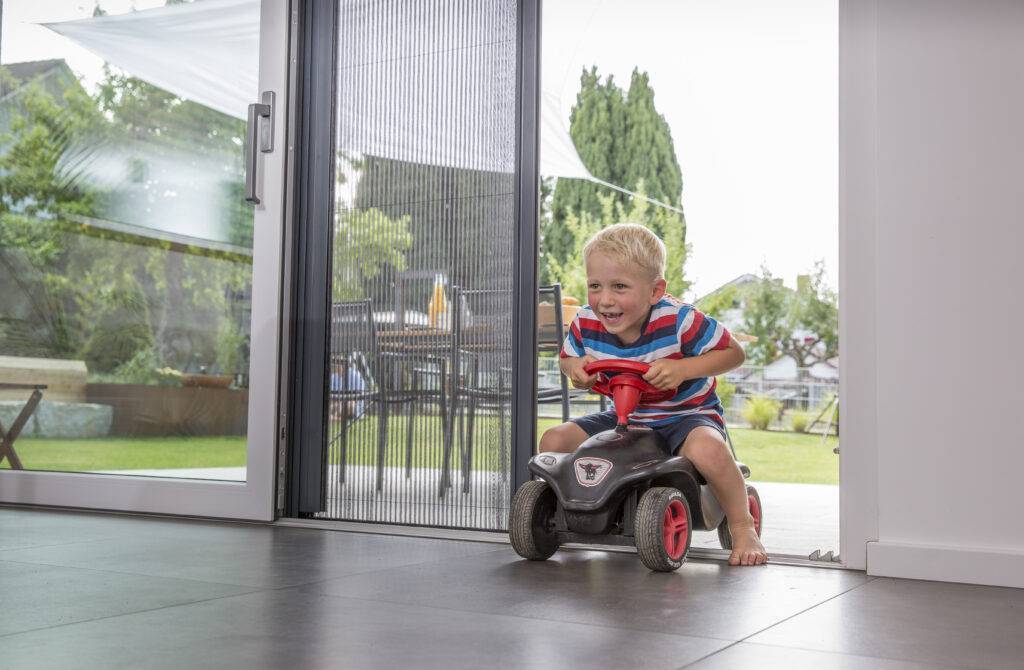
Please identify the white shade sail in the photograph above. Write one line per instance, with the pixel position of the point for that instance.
(207, 52)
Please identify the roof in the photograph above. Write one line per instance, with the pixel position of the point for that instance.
(742, 280)
(27, 70)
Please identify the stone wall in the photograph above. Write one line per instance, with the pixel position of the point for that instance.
(59, 419)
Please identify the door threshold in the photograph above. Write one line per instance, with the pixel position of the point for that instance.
(493, 537)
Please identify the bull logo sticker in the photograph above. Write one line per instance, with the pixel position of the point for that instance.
(591, 471)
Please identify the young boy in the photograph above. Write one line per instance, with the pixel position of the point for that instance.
(629, 316)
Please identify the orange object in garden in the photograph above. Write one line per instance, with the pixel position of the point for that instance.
(437, 310)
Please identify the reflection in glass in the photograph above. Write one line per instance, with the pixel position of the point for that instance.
(126, 263)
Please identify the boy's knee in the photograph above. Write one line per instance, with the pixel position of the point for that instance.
(705, 446)
(559, 438)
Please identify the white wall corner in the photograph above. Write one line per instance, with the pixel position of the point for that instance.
(990, 567)
(858, 148)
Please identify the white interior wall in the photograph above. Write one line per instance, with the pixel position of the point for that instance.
(932, 164)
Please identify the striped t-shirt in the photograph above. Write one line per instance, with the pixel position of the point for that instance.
(674, 329)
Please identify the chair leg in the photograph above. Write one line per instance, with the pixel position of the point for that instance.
(502, 441)
(409, 426)
(443, 402)
(344, 442)
(446, 459)
(467, 456)
(565, 398)
(504, 453)
(382, 441)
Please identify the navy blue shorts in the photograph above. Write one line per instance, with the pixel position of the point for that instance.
(674, 433)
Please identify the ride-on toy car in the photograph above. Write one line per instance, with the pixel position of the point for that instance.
(620, 487)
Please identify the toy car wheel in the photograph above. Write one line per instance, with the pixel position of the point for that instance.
(663, 528)
(531, 524)
(754, 502)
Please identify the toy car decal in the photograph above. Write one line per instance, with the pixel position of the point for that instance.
(547, 460)
(591, 471)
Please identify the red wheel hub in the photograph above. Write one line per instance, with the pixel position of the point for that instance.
(675, 530)
(755, 511)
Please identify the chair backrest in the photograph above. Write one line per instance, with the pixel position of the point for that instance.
(481, 313)
(481, 324)
(413, 289)
(354, 337)
(553, 332)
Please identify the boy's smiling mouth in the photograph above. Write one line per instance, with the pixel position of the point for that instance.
(612, 318)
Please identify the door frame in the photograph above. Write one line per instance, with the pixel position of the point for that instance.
(252, 499)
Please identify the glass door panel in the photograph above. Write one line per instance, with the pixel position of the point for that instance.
(420, 389)
(128, 250)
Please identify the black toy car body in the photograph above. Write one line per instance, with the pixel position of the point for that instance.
(619, 487)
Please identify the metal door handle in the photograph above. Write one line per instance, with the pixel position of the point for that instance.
(259, 138)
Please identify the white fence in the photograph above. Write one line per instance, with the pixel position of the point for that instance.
(804, 393)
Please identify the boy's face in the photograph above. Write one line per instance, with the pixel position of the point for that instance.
(621, 295)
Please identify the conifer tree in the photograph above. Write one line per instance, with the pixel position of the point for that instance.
(622, 139)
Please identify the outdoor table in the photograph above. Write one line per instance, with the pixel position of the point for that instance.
(8, 437)
(438, 341)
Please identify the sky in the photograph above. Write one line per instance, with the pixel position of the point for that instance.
(748, 88)
(750, 91)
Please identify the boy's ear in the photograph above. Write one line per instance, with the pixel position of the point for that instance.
(659, 291)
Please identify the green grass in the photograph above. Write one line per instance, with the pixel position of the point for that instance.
(122, 453)
(772, 456)
(775, 456)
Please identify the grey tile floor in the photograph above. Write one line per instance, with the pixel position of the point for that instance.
(82, 590)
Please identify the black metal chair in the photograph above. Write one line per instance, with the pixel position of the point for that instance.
(550, 339)
(355, 345)
(481, 337)
(413, 288)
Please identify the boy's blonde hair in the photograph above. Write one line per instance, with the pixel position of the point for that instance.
(631, 244)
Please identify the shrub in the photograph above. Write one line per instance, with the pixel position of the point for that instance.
(725, 390)
(798, 421)
(145, 367)
(759, 411)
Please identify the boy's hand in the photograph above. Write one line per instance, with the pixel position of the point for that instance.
(579, 378)
(666, 373)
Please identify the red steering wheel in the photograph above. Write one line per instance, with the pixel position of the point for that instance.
(627, 388)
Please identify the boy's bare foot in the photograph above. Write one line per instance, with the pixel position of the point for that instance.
(746, 547)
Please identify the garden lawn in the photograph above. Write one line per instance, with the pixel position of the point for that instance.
(124, 453)
(772, 456)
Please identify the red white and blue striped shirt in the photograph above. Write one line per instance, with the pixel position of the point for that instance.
(674, 329)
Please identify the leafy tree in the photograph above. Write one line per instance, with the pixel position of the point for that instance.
(73, 277)
(365, 242)
(765, 317)
(572, 273)
(814, 312)
(621, 139)
(40, 189)
(803, 324)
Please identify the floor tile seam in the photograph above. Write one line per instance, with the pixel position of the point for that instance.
(522, 617)
(779, 622)
(373, 570)
(139, 574)
(133, 613)
(56, 544)
(934, 664)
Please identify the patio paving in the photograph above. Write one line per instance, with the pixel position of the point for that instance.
(799, 518)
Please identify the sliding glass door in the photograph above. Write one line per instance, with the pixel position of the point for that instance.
(142, 223)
